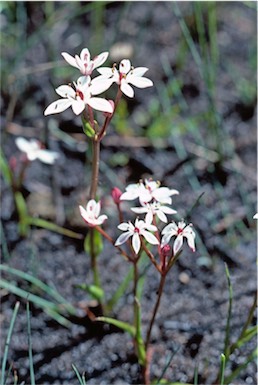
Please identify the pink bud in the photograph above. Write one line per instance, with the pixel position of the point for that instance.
(13, 163)
(165, 250)
(116, 194)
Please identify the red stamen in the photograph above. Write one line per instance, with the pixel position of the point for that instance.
(80, 94)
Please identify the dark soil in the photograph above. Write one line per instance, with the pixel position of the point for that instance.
(192, 317)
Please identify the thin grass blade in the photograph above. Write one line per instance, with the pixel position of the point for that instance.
(49, 307)
(222, 368)
(120, 324)
(8, 339)
(236, 372)
(39, 222)
(41, 285)
(80, 378)
(227, 333)
(32, 375)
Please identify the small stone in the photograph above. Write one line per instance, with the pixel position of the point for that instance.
(184, 278)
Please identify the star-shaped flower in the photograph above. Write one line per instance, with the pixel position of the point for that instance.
(154, 208)
(78, 97)
(140, 228)
(148, 190)
(84, 62)
(125, 76)
(180, 231)
(34, 150)
(91, 214)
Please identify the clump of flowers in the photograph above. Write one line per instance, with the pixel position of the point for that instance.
(148, 231)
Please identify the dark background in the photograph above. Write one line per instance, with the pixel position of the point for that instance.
(195, 131)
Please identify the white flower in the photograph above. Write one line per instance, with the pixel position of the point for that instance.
(140, 228)
(124, 77)
(83, 62)
(180, 231)
(255, 216)
(91, 214)
(78, 97)
(33, 150)
(155, 208)
(147, 191)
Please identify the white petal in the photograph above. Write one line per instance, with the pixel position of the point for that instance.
(139, 82)
(100, 104)
(126, 89)
(161, 216)
(150, 227)
(165, 239)
(149, 217)
(100, 59)
(136, 242)
(83, 81)
(129, 195)
(255, 216)
(47, 156)
(23, 144)
(123, 226)
(85, 55)
(123, 238)
(91, 206)
(105, 71)
(181, 225)
(70, 59)
(138, 71)
(167, 210)
(124, 66)
(171, 228)
(65, 91)
(150, 238)
(100, 84)
(84, 213)
(178, 244)
(190, 240)
(101, 219)
(80, 64)
(59, 105)
(78, 106)
(139, 210)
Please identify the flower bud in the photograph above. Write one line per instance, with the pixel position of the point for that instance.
(116, 194)
(165, 250)
(13, 163)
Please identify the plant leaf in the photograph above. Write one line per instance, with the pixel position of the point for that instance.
(8, 339)
(87, 128)
(80, 378)
(95, 291)
(97, 242)
(6, 171)
(236, 372)
(23, 213)
(49, 307)
(120, 324)
(41, 285)
(32, 375)
(53, 227)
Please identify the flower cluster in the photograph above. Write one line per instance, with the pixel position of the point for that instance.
(34, 150)
(153, 200)
(82, 93)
